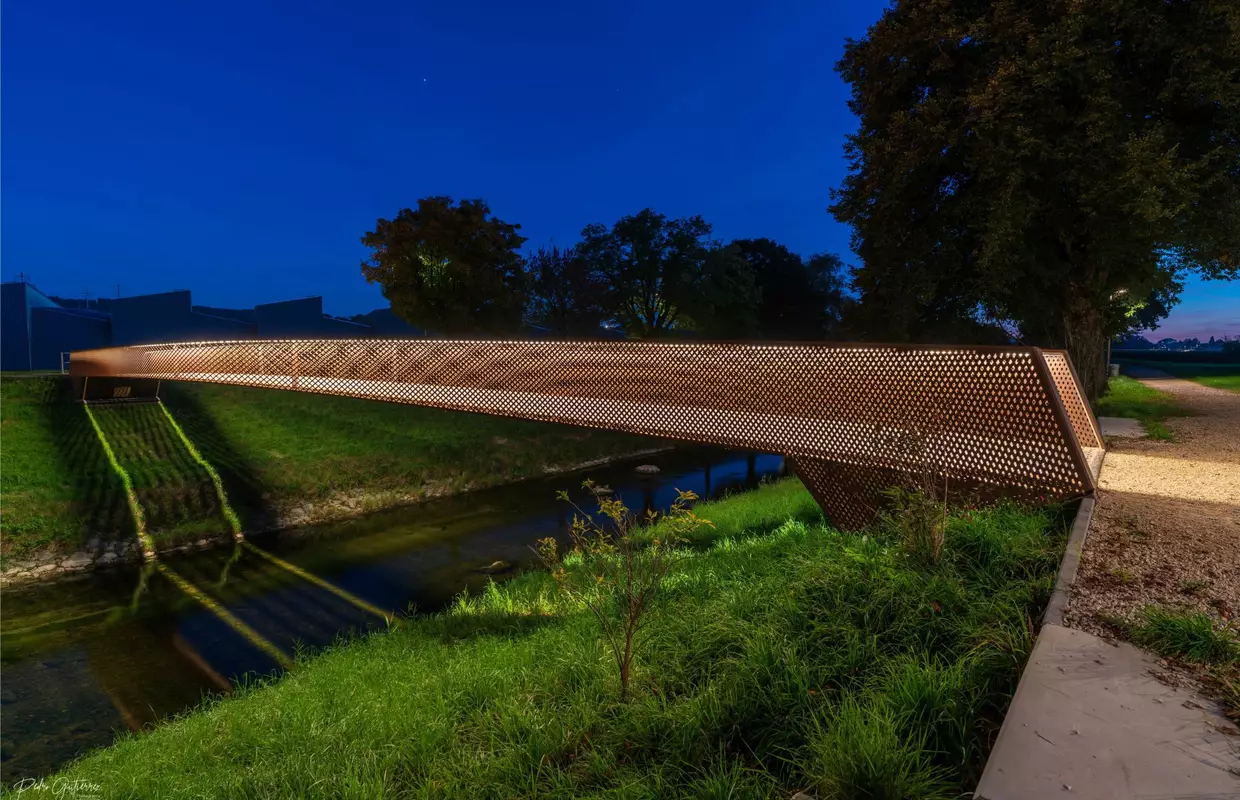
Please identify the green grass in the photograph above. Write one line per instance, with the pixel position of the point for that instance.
(58, 484)
(274, 451)
(1220, 376)
(1183, 634)
(305, 446)
(1126, 397)
(782, 655)
(37, 487)
(1229, 382)
(1193, 637)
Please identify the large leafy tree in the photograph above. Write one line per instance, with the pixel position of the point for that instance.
(653, 264)
(452, 268)
(1056, 166)
(566, 294)
(798, 298)
(726, 299)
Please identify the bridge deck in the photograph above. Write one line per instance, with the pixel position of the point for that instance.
(850, 418)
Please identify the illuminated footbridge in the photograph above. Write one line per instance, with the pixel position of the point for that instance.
(851, 418)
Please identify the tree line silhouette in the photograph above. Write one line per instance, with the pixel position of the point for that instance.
(456, 269)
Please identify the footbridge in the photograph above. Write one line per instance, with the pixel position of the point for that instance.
(851, 418)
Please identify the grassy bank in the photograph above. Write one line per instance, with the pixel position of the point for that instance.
(781, 656)
(280, 454)
(1220, 376)
(1126, 397)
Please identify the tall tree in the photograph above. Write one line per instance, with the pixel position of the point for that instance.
(452, 268)
(1057, 165)
(653, 265)
(825, 276)
(566, 294)
(725, 302)
(799, 299)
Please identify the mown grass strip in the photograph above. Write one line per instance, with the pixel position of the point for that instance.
(275, 451)
(135, 508)
(231, 516)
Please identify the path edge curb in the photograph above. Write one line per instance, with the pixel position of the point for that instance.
(1071, 561)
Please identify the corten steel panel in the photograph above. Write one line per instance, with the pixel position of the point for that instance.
(852, 418)
(1068, 386)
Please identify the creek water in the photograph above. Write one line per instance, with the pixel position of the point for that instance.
(121, 649)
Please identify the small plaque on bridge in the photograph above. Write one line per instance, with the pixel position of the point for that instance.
(117, 390)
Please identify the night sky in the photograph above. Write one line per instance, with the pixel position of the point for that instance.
(241, 149)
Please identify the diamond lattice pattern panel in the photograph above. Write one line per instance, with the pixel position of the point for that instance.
(1084, 426)
(849, 416)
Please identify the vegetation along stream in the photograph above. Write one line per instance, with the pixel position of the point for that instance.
(120, 649)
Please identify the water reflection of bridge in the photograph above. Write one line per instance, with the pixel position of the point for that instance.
(73, 679)
(172, 632)
(130, 694)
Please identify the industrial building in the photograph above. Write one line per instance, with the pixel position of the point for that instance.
(35, 328)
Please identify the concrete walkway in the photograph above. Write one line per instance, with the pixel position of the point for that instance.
(1089, 718)
(1121, 427)
(1089, 721)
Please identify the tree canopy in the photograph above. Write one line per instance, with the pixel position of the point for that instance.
(653, 265)
(798, 299)
(1054, 166)
(566, 294)
(452, 268)
(725, 300)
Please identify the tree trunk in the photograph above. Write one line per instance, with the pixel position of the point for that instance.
(1085, 340)
(624, 675)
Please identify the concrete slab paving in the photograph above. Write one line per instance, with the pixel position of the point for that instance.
(1122, 427)
(1089, 721)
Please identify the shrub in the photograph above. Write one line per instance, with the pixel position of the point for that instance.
(917, 518)
(616, 573)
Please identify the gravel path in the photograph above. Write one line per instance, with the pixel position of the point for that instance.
(1166, 529)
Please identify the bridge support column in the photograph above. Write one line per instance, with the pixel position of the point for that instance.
(847, 493)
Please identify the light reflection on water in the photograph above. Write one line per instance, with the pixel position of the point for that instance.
(123, 648)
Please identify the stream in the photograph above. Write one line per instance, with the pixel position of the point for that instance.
(120, 649)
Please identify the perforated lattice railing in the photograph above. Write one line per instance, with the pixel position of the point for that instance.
(851, 418)
(1068, 387)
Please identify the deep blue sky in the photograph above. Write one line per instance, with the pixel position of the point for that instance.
(241, 149)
